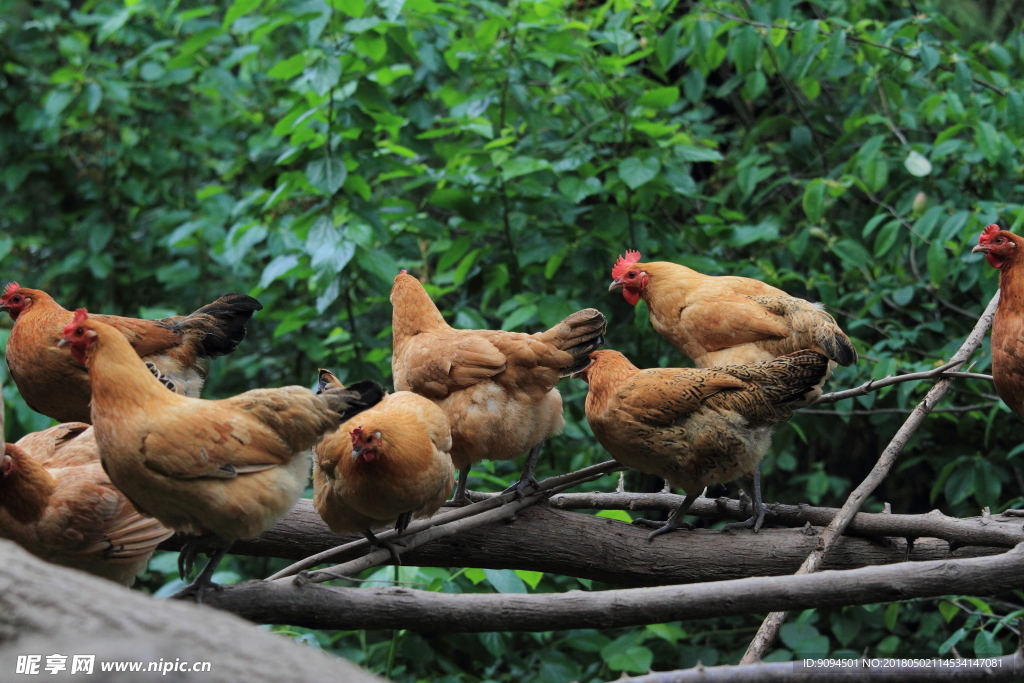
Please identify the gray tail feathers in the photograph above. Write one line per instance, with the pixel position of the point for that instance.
(354, 398)
(799, 375)
(837, 346)
(786, 379)
(221, 322)
(578, 335)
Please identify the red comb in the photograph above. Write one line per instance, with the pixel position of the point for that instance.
(987, 233)
(11, 287)
(356, 434)
(623, 264)
(81, 315)
(404, 272)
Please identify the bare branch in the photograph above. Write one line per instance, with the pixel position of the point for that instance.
(770, 628)
(324, 607)
(1008, 668)
(875, 384)
(507, 503)
(1000, 530)
(550, 540)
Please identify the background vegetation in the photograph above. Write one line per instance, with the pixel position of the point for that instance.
(159, 153)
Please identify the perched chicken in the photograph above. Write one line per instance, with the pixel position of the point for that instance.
(385, 465)
(696, 427)
(496, 388)
(1002, 250)
(227, 468)
(177, 348)
(727, 320)
(57, 502)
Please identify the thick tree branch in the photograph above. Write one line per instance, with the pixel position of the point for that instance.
(545, 539)
(1003, 530)
(47, 609)
(1008, 668)
(495, 508)
(770, 628)
(324, 607)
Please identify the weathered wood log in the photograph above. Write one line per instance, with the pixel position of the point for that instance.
(46, 609)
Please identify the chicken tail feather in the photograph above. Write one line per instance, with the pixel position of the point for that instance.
(786, 380)
(353, 399)
(837, 346)
(578, 335)
(221, 322)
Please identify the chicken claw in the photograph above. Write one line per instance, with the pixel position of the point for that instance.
(526, 479)
(197, 588)
(460, 499)
(759, 510)
(387, 545)
(675, 520)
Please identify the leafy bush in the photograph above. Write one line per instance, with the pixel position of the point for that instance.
(158, 154)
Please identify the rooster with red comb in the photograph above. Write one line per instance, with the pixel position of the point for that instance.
(727, 320)
(1002, 250)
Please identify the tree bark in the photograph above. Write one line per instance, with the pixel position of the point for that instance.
(546, 539)
(46, 609)
(292, 601)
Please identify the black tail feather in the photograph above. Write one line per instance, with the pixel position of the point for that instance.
(354, 398)
(586, 335)
(222, 322)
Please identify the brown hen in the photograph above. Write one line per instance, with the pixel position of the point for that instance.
(58, 503)
(496, 388)
(178, 349)
(696, 427)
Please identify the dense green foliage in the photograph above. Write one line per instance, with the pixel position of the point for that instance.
(158, 153)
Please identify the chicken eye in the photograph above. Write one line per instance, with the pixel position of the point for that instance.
(631, 273)
(16, 300)
(80, 331)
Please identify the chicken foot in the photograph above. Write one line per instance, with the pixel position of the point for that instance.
(403, 522)
(675, 520)
(526, 479)
(759, 511)
(460, 499)
(204, 581)
(387, 545)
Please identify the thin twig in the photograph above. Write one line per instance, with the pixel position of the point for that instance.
(905, 411)
(875, 384)
(770, 627)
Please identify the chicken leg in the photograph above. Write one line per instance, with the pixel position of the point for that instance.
(387, 545)
(759, 511)
(675, 520)
(403, 522)
(196, 589)
(459, 499)
(526, 479)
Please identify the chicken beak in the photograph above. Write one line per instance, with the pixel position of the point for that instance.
(616, 284)
(357, 453)
(981, 249)
(63, 342)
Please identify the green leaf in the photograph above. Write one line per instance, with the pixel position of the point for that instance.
(276, 268)
(852, 252)
(876, 174)
(747, 47)
(948, 610)
(578, 189)
(892, 613)
(986, 646)
(326, 175)
(988, 141)
(637, 659)
(638, 172)
(937, 261)
(620, 515)
(521, 166)
(814, 200)
(659, 98)
(239, 8)
(917, 164)
(288, 68)
(531, 579)
(505, 581)
(929, 57)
